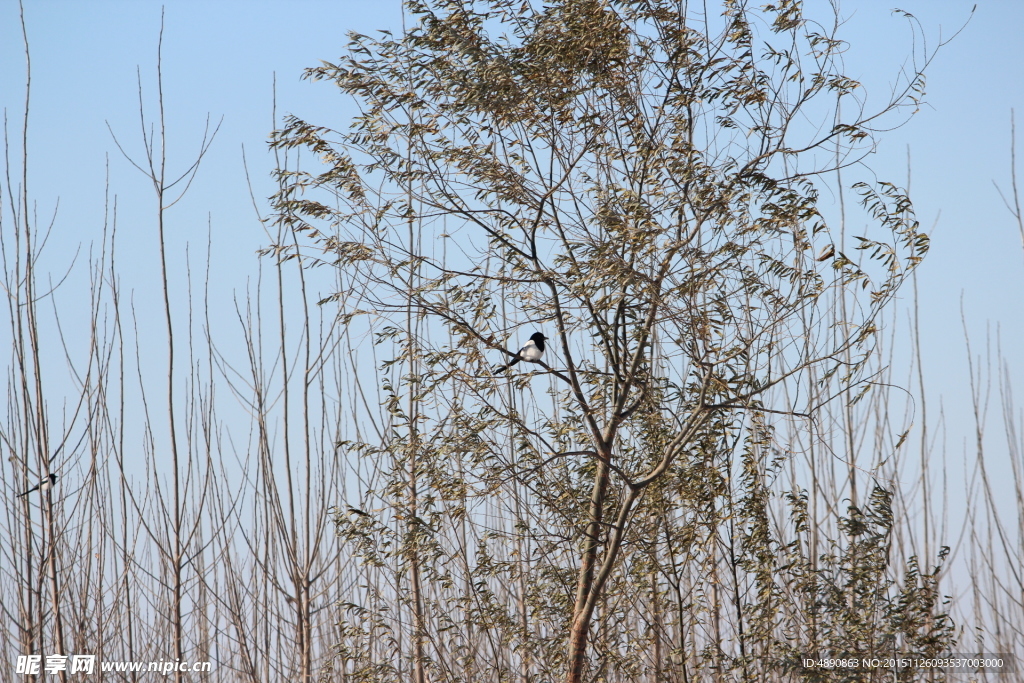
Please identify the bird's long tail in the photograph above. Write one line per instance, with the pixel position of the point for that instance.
(503, 368)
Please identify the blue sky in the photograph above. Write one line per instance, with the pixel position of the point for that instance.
(220, 59)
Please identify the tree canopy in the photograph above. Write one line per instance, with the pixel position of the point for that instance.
(641, 181)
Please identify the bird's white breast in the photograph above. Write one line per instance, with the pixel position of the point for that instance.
(530, 352)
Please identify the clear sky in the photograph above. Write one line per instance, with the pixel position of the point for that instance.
(220, 58)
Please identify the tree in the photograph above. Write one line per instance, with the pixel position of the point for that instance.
(641, 181)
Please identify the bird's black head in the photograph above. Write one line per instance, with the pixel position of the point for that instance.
(538, 338)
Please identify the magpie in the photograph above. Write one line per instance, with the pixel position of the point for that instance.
(42, 485)
(531, 351)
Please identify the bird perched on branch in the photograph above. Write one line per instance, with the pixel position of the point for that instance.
(531, 351)
(46, 483)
